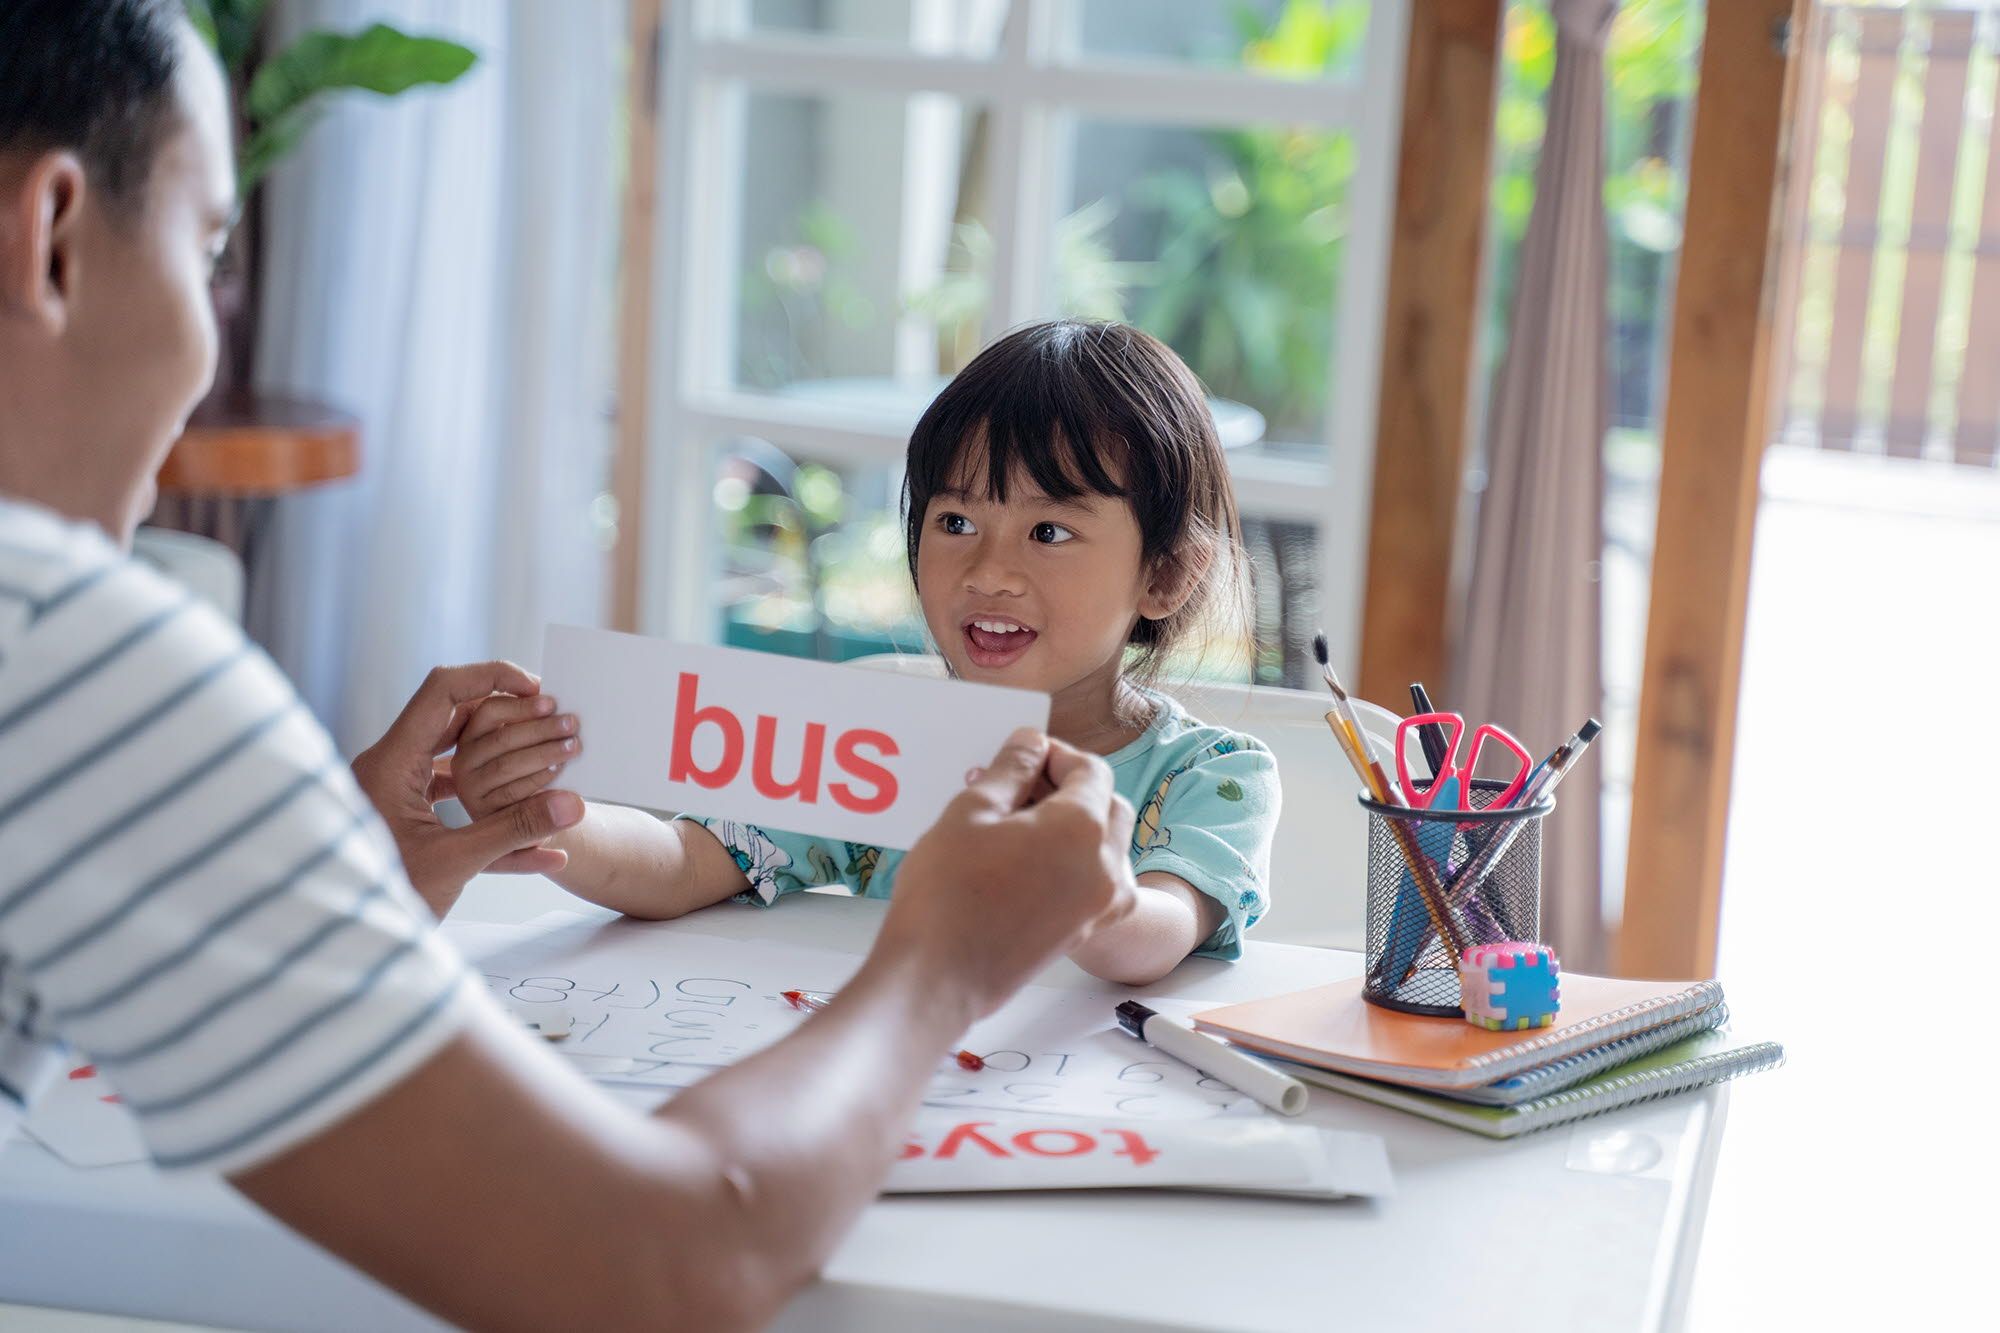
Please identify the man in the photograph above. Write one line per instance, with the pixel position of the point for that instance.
(194, 892)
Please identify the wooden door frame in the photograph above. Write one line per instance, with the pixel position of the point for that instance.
(1715, 425)
(645, 35)
(1430, 342)
(1717, 421)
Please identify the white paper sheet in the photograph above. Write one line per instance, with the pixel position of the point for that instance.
(650, 1005)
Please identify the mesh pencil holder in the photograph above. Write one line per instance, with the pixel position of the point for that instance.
(1486, 867)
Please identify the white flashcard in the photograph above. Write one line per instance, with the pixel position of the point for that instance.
(809, 747)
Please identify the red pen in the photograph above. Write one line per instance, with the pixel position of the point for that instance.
(812, 1001)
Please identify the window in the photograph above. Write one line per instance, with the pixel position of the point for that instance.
(861, 193)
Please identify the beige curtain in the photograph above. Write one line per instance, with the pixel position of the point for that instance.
(1529, 653)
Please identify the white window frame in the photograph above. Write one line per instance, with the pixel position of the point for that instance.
(712, 61)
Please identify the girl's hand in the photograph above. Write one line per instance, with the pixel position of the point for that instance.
(511, 748)
(400, 777)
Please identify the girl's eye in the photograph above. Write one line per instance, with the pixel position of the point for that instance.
(1052, 534)
(958, 525)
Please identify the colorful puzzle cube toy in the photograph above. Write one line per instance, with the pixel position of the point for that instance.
(1508, 985)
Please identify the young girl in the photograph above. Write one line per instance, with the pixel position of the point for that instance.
(1070, 522)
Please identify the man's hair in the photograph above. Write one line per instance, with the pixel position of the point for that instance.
(91, 76)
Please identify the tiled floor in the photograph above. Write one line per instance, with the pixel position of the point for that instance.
(1857, 1184)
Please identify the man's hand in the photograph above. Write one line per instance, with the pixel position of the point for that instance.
(1023, 863)
(400, 778)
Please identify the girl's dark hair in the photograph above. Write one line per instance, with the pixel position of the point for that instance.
(1080, 407)
(93, 76)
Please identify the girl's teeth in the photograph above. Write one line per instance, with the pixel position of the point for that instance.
(995, 627)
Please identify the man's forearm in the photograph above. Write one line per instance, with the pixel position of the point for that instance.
(811, 1125)
(724, 1205)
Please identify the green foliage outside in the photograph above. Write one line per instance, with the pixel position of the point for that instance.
(1244, 283)
(1650, 66)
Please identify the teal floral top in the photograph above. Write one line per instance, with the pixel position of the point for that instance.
(1207, 801)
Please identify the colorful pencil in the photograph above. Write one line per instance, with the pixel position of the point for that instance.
(1346, 729)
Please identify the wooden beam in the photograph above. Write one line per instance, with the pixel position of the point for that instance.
(1716, 423)
(1429, 341)
(645, 27)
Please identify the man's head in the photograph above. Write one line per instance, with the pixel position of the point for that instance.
(116, 195)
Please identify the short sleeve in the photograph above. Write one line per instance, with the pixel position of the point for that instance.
(194, 894)
(1210, 822)
(777, 863)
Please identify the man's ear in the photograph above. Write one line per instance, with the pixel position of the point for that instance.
(39, 229)
(1174, 579)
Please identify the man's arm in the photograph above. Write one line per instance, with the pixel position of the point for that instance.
(497, 1188)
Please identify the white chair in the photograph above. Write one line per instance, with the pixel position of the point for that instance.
(204, 566)
(1319, 859)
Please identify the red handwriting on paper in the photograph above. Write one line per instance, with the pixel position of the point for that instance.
(1049, 1142)
(855, 754)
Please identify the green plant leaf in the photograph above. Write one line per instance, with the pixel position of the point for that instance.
(271, 142)
(229, 27)
(380, 60)
(204, 22)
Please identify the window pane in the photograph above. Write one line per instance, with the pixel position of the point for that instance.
(1226, 245)
(1284, 39)
(812, 557)
(937, 27)
(861, 220)
(1267, 638)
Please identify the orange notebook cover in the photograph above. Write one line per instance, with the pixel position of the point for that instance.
(1332, 1027)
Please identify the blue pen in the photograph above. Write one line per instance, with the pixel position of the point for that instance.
(1409, 921)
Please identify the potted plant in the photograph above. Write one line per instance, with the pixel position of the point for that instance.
(279, 96)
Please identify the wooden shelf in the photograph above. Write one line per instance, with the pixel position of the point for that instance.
(261, 445)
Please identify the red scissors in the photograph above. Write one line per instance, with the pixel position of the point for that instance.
(1454, 782)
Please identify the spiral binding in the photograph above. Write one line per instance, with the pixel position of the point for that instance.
(1520, 1055)
(1651, 1085)
(1544, 1080)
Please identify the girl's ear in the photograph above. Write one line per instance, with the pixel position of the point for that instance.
(1176, 578)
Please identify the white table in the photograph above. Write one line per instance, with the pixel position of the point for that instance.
(1593, 1226)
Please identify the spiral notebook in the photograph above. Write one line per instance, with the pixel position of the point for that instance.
(1332, 1027)
(1693, 1062)
(1545, 1079)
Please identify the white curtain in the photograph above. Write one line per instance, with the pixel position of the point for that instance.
(441, 265)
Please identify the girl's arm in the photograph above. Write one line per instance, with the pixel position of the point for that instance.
(1167, 921)
(639, 864)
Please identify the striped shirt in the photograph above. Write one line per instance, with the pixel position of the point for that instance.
(194, 895)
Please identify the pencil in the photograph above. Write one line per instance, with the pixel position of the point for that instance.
(812, 1001)
(1346, 729)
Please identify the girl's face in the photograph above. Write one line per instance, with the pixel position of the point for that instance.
(1035, 593)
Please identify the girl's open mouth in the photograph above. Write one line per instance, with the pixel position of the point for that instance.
(996, 641)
